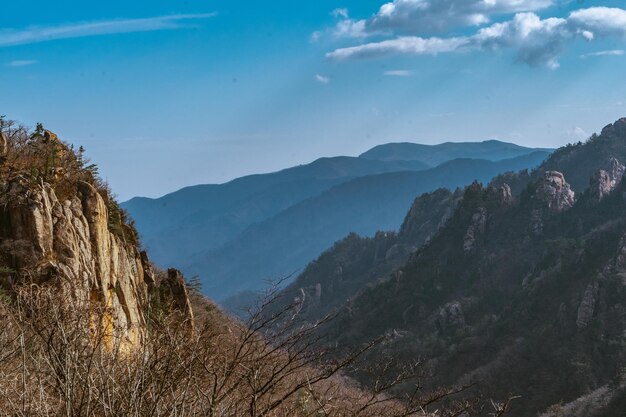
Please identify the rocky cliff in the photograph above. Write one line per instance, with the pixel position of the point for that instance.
(71, 241)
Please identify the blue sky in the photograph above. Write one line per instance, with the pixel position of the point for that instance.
(168, 93)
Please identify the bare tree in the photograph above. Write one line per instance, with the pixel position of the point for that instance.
(58, 359)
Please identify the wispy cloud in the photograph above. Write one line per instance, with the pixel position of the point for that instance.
(322, 79)
(613, 52)
(398, 73)
(35, 34)
(342, 12)
(21, 63)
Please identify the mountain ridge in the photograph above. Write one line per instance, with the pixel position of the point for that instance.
(207, 217)
(433, 155)
(515, 289)
(380, 201)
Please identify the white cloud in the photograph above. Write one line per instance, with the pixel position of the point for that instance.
(21, 63)
(538, 42)
(398, 73)
(351, 29)
(419, 17)
(34, 34)
(603, 21)
(322, 79)
(612, 52)
(412, 45)
(341, 12)
(575, 134)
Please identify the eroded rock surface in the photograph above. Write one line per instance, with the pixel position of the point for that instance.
(479, 221)
(43, 238)
(4, 145)
(605, 180)
(555, 192)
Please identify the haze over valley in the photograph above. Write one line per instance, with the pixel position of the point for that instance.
(384, 208)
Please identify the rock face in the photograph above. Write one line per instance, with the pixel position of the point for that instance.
(505, 194)
(616, 170)
(50, 136)
(4, 145)
(174, 290)
(555, 192)
(617, 129)
(605, 180)
(477, 228)
(69, 242)
(601, 185)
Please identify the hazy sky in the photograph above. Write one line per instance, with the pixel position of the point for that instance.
(168, 93)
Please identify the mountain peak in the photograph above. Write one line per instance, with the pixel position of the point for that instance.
(615, 129)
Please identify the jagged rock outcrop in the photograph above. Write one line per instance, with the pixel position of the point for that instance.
(600, 185)
(605, 180)
(476, 228)
(505, 194)
(69, 243)
(4, 145)
(615, 130)
(149, 275)
(50, 136)
(616, 170)
(555, 192)
(173, 291)
(502, 194)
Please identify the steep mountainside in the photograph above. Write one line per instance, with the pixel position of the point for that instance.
(523, 293)
(204, 217)
(59, 225)
(287, 242)
(355, 261)
(491, 150)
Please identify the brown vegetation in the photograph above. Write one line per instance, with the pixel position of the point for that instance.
(54, 361)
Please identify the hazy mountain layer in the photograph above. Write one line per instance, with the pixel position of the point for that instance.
(492, 150)
(287, 242)
(205, 217)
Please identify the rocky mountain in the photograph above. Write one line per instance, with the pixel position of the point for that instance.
(275, 248)
(521, 291)
(59, 226)
(491, 150)
(205, 218)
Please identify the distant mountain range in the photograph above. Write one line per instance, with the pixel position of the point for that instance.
(491, 150)
(269, 226)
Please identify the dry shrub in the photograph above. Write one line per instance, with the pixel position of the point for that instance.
(55, 360)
